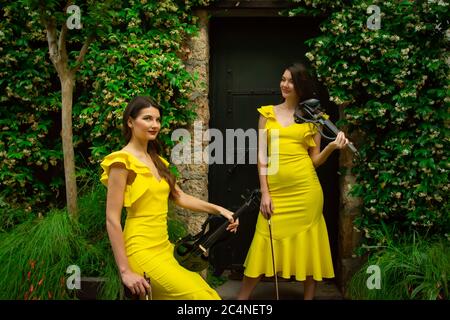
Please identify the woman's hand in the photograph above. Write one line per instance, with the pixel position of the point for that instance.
(136, 283)
(266, 206)
(232, 227)
(340, 142)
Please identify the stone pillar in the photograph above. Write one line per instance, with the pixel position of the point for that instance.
(350, 208)
(194, 180)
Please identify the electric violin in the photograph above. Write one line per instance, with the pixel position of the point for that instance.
(311, 109)
(192, 251)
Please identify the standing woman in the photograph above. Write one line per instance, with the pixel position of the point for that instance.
(139, 180)
(292, 196)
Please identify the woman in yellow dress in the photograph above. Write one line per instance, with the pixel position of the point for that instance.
(291, 194)
(139, 180)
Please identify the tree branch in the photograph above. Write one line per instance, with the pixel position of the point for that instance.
(52, 44)
(83, 52)
(62, 38)
(62, 43)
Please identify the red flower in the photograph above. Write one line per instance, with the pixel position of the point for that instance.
(29, 275)
(31, 288)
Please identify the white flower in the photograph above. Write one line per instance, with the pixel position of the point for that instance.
(381, 111)
(310, 56)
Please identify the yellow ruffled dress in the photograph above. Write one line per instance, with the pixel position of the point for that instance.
(145, 234)
(300, 237)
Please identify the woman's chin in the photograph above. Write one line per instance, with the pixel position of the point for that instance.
(151, 137)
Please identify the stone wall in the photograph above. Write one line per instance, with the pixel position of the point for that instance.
(350, 208)
(194, 179)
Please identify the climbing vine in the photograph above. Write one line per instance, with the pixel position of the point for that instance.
(140, 51)
(392, 83)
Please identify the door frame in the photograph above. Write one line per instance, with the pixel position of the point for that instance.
(196, 177)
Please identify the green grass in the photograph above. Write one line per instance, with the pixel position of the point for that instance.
(412, 269)
(35, 254)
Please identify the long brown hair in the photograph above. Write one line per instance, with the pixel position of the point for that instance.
(131, 111)
(303, 82)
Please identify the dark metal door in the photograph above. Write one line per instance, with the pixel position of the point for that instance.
(248, 57)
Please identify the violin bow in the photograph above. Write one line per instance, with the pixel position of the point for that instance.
(146, 292)
(273, 259)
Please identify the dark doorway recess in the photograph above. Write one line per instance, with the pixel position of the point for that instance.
(248, 57)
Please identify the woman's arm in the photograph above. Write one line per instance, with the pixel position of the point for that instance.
(319, 157)
(266, 205)
(114, 202)
(262, 155)
(189, 202)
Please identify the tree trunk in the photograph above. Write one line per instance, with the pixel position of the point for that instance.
(67, 86)
(58, 56)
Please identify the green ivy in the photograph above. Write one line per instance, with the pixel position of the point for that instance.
(393, 84)
(140, 51)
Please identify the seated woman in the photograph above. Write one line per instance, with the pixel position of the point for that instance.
(139, 180)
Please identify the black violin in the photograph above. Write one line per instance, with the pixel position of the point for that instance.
(311, 109)
(192, 251)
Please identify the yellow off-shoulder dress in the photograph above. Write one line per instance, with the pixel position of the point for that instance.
(300, 237)
(145, 234)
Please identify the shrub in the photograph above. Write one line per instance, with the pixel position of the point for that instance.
(393, 86)
(142, 53)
